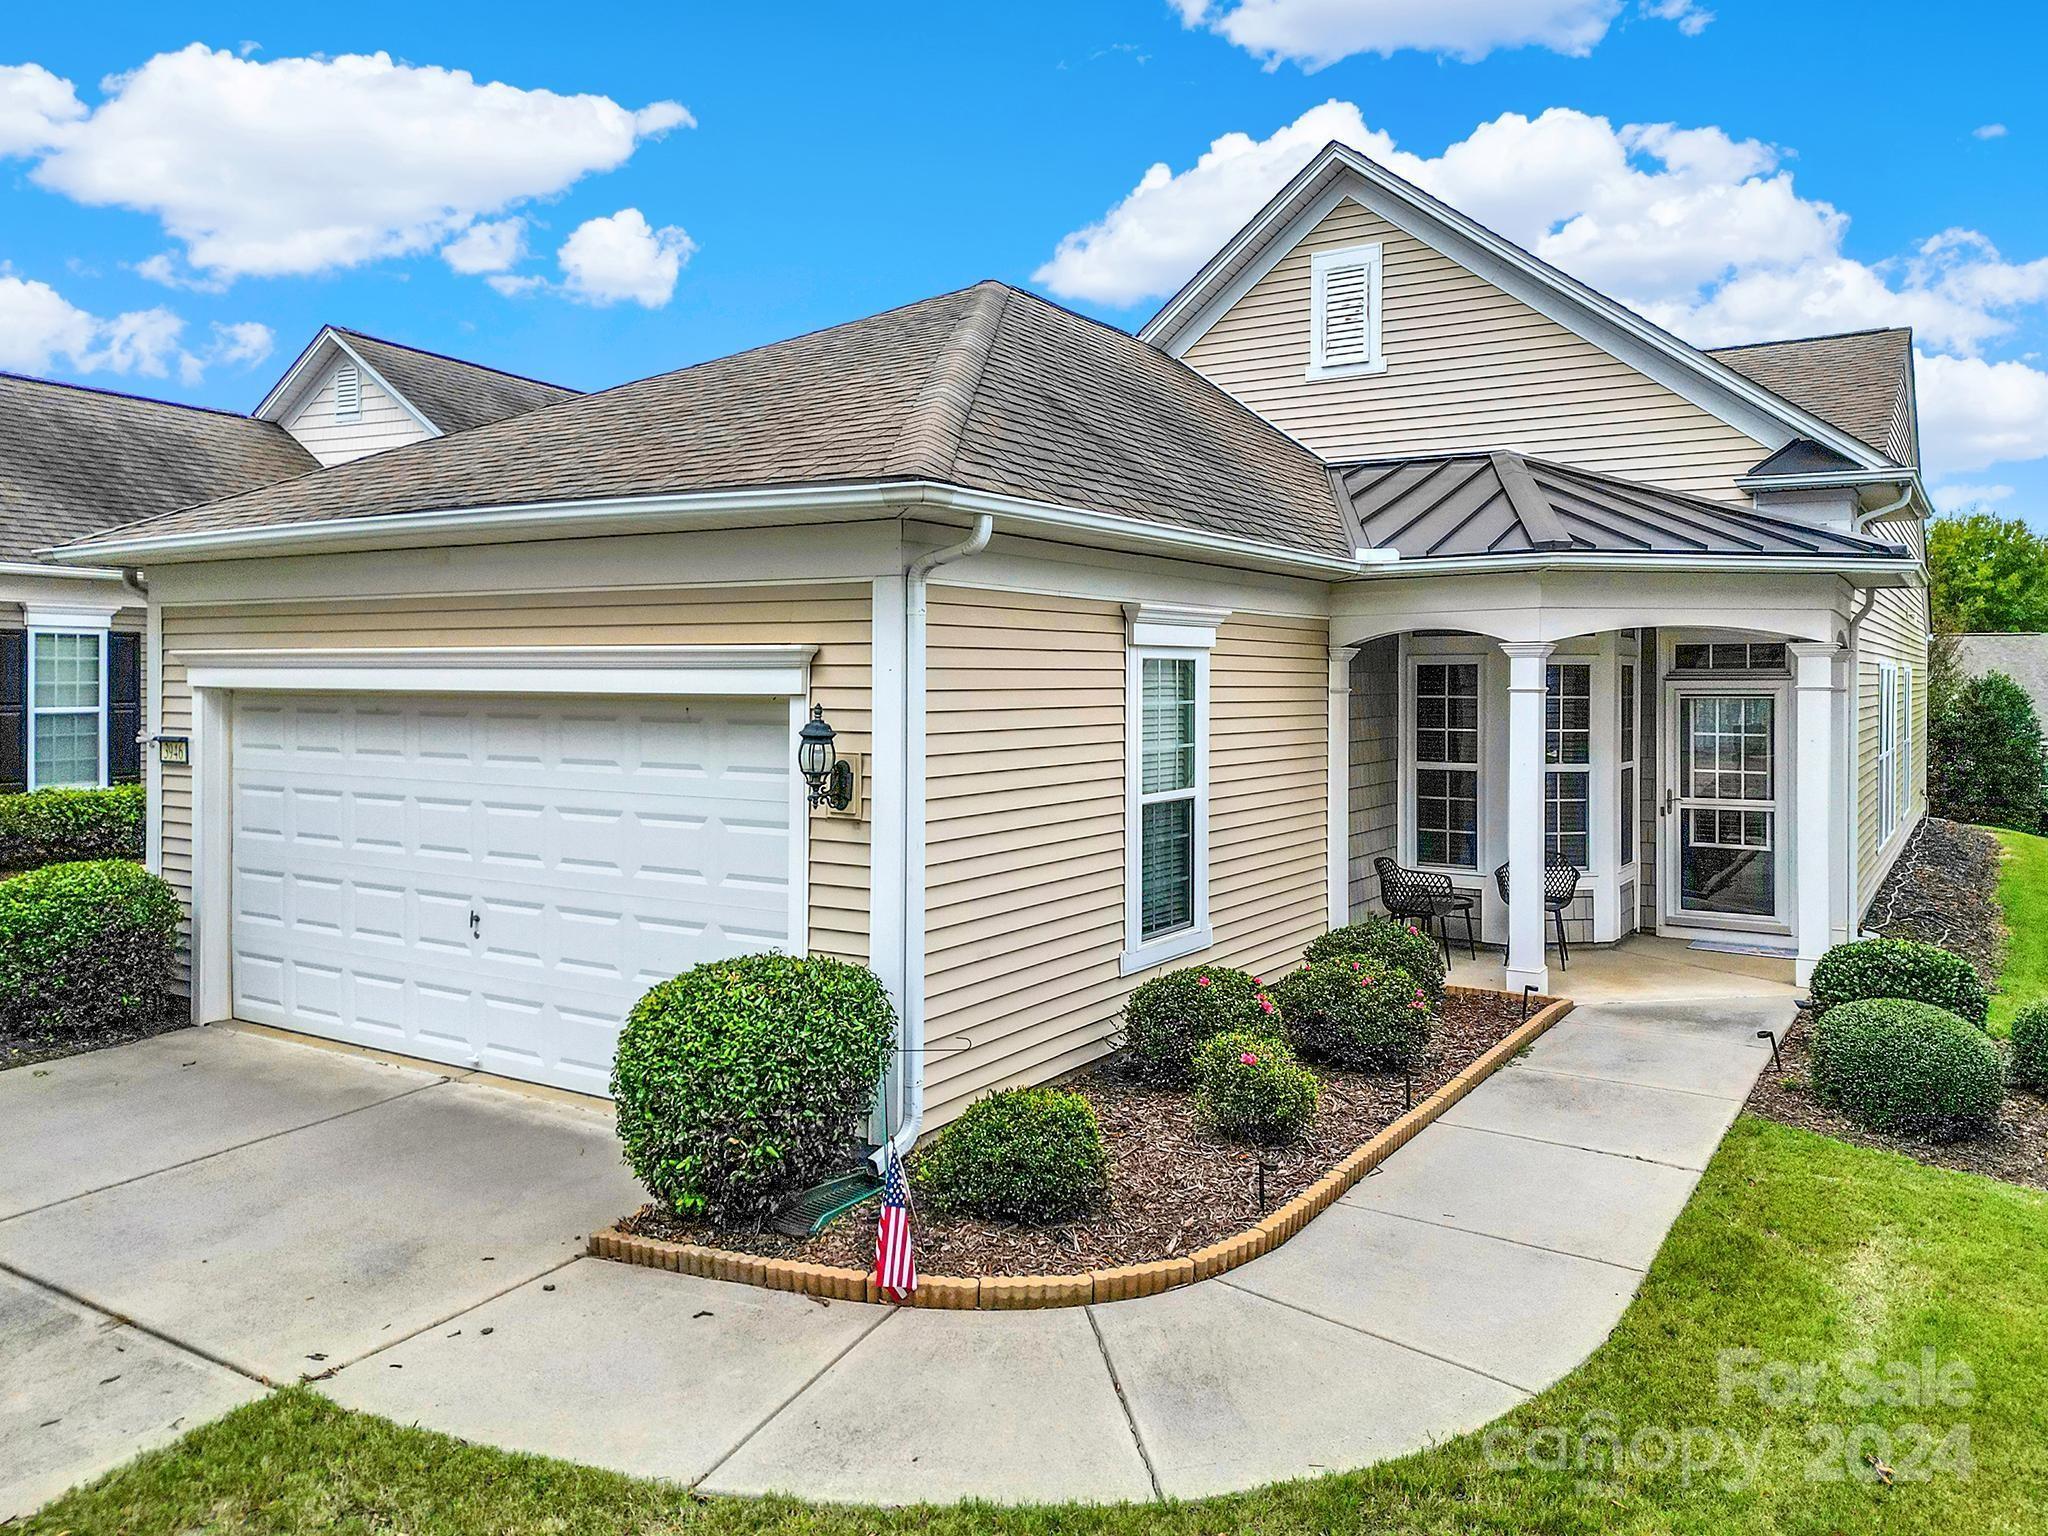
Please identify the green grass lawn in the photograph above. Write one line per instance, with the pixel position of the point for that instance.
(2023, 893)
(1810, 1252)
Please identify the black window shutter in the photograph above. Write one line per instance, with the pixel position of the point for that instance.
(124, 707)
(13, 710)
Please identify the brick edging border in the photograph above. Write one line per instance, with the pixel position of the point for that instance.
(1003, 1292)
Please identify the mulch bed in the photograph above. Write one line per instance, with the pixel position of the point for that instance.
(1174, 1187)
(26, 1049)
(2015, 1149)
(1944, 890)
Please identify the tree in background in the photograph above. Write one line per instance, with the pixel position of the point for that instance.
(1989, 575)
(1986, 762)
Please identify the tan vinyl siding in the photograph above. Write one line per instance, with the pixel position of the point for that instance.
(1025, 825)
(1894, 630)
(381, 423)
(834, 618)
(1467, 366)
(1375, 767)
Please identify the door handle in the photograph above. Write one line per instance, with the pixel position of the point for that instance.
(1670, 800)
(476, 924)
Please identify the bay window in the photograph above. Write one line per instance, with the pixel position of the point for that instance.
(1567, 761)
(67, 692)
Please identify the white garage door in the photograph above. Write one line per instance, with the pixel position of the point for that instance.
(495, 882)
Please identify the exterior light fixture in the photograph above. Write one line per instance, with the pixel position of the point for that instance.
(829, 776)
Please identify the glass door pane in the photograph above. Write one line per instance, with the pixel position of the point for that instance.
(1727, 804)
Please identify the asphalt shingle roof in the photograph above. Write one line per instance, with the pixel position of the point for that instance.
(1858, 382)
(1501, 504)
(452, 394)
(989, 388)
(74, 461)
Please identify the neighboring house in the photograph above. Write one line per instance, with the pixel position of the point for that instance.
(74, 461)
(2023, 658)
(1384, 537)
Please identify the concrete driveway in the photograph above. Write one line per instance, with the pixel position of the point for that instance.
(188, 1219)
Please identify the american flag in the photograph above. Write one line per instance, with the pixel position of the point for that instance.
(895, 1265)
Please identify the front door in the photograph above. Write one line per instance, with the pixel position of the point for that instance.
(1725, 795)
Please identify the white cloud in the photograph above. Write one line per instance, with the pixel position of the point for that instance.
(512, 286)
(165, 269)
(247, 342)
(1689, 18)
(303, 165)
(490, 245)
(36, 108)
(1975, 413)
(1988, 131)
(1963, 495)
(622, 257)
(42, 332)
(1317, 33)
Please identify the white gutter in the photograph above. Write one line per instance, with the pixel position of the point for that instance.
(1877, 514)
(916, 584)
(73, 572)
(1825, 479)
(1806, 565)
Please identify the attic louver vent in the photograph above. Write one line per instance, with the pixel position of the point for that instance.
(1345, 322)
(348, 392)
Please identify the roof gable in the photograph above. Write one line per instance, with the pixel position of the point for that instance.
(1861, 381)
(1339, 173)
(441, 394)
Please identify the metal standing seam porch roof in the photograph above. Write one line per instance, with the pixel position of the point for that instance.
(1476, 505)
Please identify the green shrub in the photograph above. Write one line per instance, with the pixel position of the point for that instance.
(1168, 1016)
(1907, 1068)
(1249, 1087)
(741, 1082)
(1348, 1012)
(1029, 1155)
(1924, 973)
(1385, 942)
(2030, 1046)
(84, 947)
(57, 826)
(1986, 763)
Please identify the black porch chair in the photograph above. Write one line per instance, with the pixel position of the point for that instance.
(1424, 897)
(1560, 886)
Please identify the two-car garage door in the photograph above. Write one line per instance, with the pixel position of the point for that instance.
(494, 882)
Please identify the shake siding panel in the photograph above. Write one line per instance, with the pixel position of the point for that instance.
(1025, 825)
(834, 618)
(1468, 367)
(381, 423)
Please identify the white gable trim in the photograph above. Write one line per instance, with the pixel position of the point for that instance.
(311, 366)
(1344, 175)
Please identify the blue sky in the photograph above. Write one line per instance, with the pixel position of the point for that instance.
(704, 178)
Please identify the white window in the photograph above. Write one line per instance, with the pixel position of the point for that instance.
(1906, 740)
(1567, 761)
(1166, 902)
(67, 693)
(1344, 313)
(1626, 779)
(348, 392)
(1887, 748)
(1446, 717)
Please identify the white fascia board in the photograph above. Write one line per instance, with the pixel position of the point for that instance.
(61, 572)
(1824, 479)
(724, 671)
(1587, 313)
(271, 406)
(649, 513)
(1904, 569)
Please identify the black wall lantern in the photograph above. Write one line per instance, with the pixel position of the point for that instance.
(829, 776)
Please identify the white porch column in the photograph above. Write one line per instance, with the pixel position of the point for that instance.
(1526, 966)
(1813, 865)
(1339, 784)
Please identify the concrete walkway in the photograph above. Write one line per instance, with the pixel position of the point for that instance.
(429, 1226)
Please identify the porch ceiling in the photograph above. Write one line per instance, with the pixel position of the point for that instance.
(1473, 506)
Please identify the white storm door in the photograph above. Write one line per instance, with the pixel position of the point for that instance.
(1727, 801)
(495, 882)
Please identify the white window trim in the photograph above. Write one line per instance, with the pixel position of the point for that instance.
(1368, 256)
(1887, 749)
(58, 622)
(1552, 770)
(1628, 697)
(1904, 745)
(1193, 633)
(650, 671)
(1411, 767)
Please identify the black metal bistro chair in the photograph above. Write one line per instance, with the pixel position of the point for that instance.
(1424, 897)
(1560, 886)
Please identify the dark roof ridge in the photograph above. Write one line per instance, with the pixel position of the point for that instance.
(1793, 341)
(121, 394)
(449, 357)
(928, 444)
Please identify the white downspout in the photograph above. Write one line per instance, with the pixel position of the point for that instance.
(1852, 921)
(914, 613)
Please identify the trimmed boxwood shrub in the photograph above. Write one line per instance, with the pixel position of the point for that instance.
(1249, 1087)
(1384, 942)
(2030, 1046)
(1907, 1068)
(1028, 1155)
(84, 947)
(741, 1082)
(1168, 1016)
(57, 826)
(1347, 1012)
(1924, 973)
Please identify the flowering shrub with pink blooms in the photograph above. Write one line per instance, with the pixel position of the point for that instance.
(1166, 1018)
(1385, 942)
(1249, 1087)
(1355, 1012)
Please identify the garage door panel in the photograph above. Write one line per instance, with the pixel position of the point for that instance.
(600, 848)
